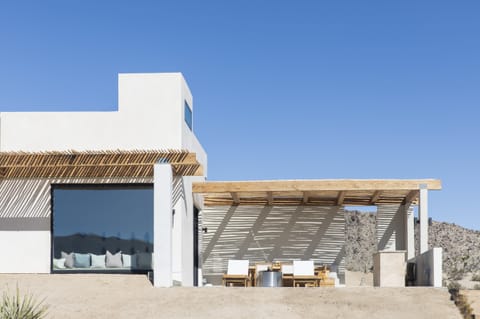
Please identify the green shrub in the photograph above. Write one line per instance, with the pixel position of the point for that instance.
(21, 307)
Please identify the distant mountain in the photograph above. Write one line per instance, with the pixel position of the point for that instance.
(95, 244)
(461, 246)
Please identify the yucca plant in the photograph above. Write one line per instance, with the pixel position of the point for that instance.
(21, 307)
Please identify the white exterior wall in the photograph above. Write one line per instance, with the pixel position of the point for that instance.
(25, 251)
(150, 116)
(162, 225)
(429, 268)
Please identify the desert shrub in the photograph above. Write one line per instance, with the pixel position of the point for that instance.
(21, 307)
(476, 277)
(454, 286)
(464, 306)
(476, 287)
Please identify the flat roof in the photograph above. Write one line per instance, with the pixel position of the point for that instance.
(85, 164)
(361, 192)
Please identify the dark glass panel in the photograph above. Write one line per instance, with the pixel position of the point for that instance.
(96, 218)
(188, 116)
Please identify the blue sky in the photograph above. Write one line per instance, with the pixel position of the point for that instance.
(282, 89)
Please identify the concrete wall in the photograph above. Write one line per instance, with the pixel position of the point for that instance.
(389, 269)
(429, 268)
(282, 233)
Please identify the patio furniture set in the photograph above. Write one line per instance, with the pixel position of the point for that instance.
(299, 273)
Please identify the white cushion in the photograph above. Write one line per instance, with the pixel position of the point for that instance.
(59, 263)
(98, 261)
(237, 267)
(129, 261)
(303, 268)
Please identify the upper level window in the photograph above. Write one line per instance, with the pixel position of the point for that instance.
(188, 116)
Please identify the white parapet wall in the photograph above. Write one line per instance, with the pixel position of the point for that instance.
(429, 269)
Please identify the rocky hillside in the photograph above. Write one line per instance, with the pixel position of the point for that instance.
(461, 246)
(360, 241)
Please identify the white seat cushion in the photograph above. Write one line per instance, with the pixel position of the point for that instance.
(303, 268)
(237, 267)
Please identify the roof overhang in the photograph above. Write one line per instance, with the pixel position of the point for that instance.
(353, 192)
(91, 164)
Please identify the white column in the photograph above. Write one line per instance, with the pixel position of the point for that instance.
(162, 225)
(423, 217)
(409, 232)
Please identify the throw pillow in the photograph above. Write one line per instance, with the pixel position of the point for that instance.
(129, 261)
(68, 259)
(59, 263)
(98, 261)
(114, 261)
(81, 260)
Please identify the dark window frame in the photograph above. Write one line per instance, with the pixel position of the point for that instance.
(188, 115)
(83, 186)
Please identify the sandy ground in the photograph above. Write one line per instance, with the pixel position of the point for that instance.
(132, 296)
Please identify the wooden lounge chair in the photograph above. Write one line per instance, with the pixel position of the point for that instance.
(323, 277)
(304, 274)
(237, 273)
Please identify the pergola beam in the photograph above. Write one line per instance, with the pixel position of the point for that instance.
(305, 197)
(270, 198)
(314, 185)
(235, 198)
(297, 193)
(340, 198)
(375, 197)
(410, 197)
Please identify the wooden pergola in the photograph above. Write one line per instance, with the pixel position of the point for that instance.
(351, 192)
(91, 164)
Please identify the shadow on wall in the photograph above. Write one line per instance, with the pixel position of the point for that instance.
(24, 199)
(390, 227)
(26, 204)
(272, 233)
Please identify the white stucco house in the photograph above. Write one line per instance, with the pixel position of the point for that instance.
(126, 192)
